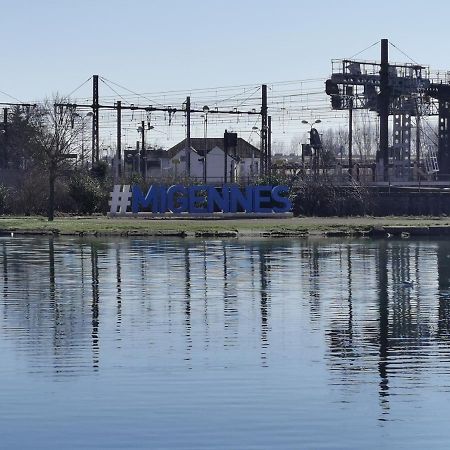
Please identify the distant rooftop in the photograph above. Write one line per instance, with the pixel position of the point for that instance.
(244, 149)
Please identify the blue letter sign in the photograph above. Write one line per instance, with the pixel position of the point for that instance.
(205, 199)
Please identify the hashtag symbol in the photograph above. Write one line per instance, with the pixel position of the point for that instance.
(120, 199)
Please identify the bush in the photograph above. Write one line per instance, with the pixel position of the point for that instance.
(30, 197)
(5, 199)
(88, 193)
(320, 197)
(100, 170)
(31, 194)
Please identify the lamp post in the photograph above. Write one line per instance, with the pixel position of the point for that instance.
(311, 124)
(256, 130)
(205, 174)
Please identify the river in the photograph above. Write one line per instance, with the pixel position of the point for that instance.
(224, 344)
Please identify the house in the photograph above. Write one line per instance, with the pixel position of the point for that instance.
(242, 161)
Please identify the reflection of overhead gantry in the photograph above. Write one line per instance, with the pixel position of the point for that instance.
(400, 90)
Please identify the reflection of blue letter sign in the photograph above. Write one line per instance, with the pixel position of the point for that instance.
(205, 199)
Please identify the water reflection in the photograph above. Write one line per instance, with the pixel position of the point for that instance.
(72, 308)
(218, 271)
(383, 283)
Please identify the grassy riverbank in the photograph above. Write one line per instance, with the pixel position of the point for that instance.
(297, 226)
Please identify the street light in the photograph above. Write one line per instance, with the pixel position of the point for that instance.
(306, 122)
(206, 111)
(253, 171)
(312, 124)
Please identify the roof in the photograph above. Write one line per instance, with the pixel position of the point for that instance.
(244, 149)
(156, 153)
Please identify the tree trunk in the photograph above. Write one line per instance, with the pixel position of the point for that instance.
(51, 194)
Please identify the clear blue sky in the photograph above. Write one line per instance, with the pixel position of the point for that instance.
(156, 45)
(153, 45)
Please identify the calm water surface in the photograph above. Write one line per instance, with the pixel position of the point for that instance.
(280, 344)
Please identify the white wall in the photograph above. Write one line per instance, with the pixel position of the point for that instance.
(172, 168)
(245, 172)
(215, 166)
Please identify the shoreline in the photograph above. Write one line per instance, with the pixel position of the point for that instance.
(301, 227)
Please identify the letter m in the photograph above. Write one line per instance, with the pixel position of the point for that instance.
(141, 203)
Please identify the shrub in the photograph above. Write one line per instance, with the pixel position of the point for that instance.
(5, 199)
(320, 197)
(88, 194)
(31, 194)
(100, 170)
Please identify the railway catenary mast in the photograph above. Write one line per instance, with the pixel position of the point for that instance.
(402, 91)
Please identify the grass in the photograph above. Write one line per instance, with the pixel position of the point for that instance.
(297, 225)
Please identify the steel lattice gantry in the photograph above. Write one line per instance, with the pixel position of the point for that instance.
(399, 90)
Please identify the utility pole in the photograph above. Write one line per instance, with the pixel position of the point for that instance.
(95, 119)
(5, 139)
(205, 161)
(95, 130)
(188, 137)
(119, 140)
(142, 158)
(383, 102)
(138, 157)
(225, 153)
(350, 131)
(263, 129)
(417, 139)
(269, 146)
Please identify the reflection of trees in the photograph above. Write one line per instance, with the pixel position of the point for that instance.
(43, 308)
(68, 289)
(405, 306)
(314, 280)
(341, 334)
(95, 306)
(187, 307)
(5, 277)
(443, 256)
(264, 272)
(383, 311)
(119, 289)
(230, 307)
(61, 295)
(393, 321)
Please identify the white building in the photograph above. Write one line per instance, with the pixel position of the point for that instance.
(242, 162)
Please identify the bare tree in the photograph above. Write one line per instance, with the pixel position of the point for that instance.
(335, 141)
(365, 137)
(56, 142)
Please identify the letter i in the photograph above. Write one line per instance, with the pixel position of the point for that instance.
(162, 199)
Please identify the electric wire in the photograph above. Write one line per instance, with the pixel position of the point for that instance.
(11, 96)
(403, 53)
(362, 51)
(79, 87)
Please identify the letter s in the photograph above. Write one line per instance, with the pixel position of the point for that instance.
(277, 198)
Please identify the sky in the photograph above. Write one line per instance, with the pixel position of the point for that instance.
(152, 46)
